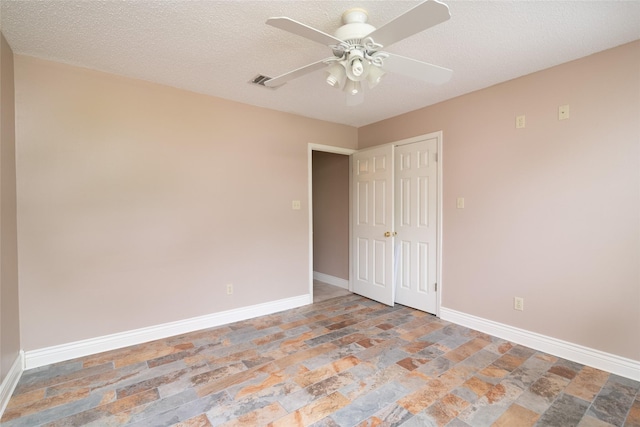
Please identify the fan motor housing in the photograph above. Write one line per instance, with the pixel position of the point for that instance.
(355, 26)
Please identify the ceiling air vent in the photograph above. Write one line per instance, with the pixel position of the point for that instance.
(260, 80)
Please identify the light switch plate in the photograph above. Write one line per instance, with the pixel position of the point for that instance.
(563, 112)
(295, 205)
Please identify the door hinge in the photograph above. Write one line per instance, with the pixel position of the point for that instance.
(436, 156)
(436, 287)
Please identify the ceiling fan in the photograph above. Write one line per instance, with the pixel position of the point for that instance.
(357, 49)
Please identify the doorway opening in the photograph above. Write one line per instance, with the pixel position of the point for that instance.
(329, 188)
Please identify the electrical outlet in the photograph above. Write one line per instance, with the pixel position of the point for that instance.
(520, 122)
(229, 289)
(518, 303)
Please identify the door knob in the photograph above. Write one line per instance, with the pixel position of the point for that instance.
(389, 234)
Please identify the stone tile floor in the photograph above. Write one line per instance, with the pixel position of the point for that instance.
(323, 291)
(345, 361)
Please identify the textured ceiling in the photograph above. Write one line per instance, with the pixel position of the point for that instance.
(216, 47)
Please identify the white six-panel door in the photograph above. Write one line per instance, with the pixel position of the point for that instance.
(395, 244)
(372, 224)
(416, 187)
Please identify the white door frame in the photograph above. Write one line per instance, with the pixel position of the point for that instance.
(327, 149)
(438, 136)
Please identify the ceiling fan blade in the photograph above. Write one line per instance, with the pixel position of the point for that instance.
(303, 30)
(423, 16)
(417, 69)
(283, 78)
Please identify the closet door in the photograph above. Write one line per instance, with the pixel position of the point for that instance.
(416, 209)
(372, 223)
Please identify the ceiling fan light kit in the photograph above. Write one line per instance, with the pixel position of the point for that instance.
(337, 75)
(356, 46)
(375, 76)
(356, 68)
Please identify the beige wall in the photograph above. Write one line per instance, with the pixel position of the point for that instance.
(331, 214)
(552, 210)
(9, 309)
(138, 203)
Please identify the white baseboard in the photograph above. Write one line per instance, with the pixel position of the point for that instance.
(59, 353)
(587, 356)
(11, 381)
(332, 280)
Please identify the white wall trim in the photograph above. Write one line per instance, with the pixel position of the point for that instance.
(59, 353)
(587, 356)
(11, 381)
(332, 280)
